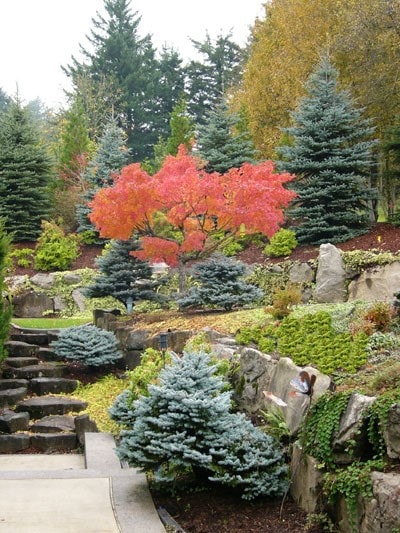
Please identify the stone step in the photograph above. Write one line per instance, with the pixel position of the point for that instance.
(32, 338)
(11, 422)
(18, 362)
(21, 349)
(48, 370)
(9, 397)
(13, 383)
(54, 424)
(54, 442)
(42, 386)
(48, 354)
(14, 443)
(41, 406)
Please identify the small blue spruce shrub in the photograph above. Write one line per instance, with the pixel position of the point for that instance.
(88, 345)
(185, 425)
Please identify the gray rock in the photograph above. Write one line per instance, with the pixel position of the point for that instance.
(301, 273)
(11, 422)
(54, 424)
(14, 443)
(72, 278)
(391, 432)
(31, 305)
(350, 427)
(50, 405)
(376, 284)
(331, 276)
(306, 481)
(136, 339)
(42, 280)
(84, 424)
(21, 349)
(297, 405)
(52, 442)
(382, 511)
(79, 299)
(222, 351)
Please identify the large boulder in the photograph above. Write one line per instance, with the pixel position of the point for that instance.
(296, 405)
(381, 514)
(32, 305)
(306, 480)
(350, 428)
(376, 284)
(331, 276)
(391, 432)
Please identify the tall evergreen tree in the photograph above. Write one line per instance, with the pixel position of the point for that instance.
(182, 131)
(74, 142)
(221, 143)
(25, 175)
(331, 155)
(123, 276)
(4, 101)
(112, 154)
(209, 79)
(126, 62)
(5, 306)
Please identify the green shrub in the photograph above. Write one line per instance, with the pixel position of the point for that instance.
(233, 248)
(313, 341)
(54, 249)
(283, 301)
(88, 345)
(359, 260)
(282, 243)
(268, 279)
(23, 256)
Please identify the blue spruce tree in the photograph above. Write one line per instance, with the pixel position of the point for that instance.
(331, 156)
(123, 276)
(185, 426)
(112, 154)
(220, 285)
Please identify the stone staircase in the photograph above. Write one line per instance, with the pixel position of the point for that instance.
(34, 414)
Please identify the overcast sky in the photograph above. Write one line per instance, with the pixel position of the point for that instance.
(38, 36)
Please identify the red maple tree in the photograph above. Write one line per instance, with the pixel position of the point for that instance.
(179, 210)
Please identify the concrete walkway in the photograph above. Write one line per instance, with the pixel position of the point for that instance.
(74, 493)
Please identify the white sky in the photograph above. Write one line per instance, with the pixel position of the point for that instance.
(38, 36)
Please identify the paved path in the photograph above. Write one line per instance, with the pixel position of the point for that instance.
(71, 493)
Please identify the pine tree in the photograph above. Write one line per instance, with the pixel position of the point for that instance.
(111, 155)
(332, 159)
(74, 142)
(5, 306)
(25, 175)
(221, 144)
(210, 78)
(128, 64)
(123, 276)
(185, 425)
(182, 131)
(221, 285)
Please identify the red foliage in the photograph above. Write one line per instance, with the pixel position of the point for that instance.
(196, 205)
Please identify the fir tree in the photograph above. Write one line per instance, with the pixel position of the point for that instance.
(185, 424)
(25, 175)
(331, 156)
(219, 69)
(5, 305)
(111, 155)
(220, 285)
(125, 58)
(222, 144)
(123, 276)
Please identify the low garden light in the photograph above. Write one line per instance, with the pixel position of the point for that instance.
(163, 344)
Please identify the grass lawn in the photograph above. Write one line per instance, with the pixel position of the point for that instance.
(48, 323)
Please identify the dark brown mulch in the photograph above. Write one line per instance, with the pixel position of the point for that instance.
(216, 510)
